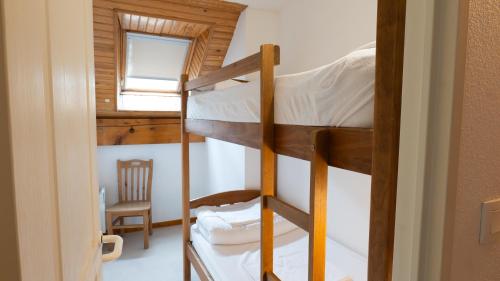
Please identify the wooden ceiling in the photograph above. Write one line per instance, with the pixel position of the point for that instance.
(159, 26)
(210, 23)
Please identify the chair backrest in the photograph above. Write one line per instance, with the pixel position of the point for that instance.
(134, 180)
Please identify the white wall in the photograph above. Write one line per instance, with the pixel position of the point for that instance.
(255, 27)
(311, 34)
(214, 166)
(166, 188)
(315, 32)
(225, 166)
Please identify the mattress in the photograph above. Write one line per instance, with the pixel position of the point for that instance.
(339, 94)
(242, 262)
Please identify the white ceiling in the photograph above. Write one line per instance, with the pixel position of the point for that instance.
(273, 5)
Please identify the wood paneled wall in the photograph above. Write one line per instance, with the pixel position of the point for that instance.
(209, 23)
(220, 16)
(199, 53)
(140, 131)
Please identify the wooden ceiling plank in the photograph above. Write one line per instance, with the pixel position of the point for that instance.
(150, 24)
(178, 28)
(159, 26)
(167, 27)
(175, 27)
(186, 29)
(143, 21)
(134, 22)
(129, 21)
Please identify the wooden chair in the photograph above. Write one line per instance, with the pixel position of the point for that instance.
(134, 195)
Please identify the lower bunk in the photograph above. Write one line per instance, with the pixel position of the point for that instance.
(242, 262)
(230, 250)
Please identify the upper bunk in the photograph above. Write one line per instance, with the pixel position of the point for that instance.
(337, 97)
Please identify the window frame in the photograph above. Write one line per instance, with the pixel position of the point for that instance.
(120, 63)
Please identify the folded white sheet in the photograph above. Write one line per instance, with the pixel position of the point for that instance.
(236, 224)
(233, 215)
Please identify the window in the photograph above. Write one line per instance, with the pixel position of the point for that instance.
(152, 68)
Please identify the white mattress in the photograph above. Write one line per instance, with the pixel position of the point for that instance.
(339, 94)
(242, 262)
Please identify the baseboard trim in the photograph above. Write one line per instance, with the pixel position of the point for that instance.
(159, 224)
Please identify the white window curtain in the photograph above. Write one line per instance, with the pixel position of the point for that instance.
(154, 63)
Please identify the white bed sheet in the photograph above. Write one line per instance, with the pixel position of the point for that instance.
(242, 262)
(339, 94)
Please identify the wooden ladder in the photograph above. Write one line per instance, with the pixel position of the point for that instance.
(315, 221)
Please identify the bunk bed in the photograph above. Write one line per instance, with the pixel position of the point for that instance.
(372, 151)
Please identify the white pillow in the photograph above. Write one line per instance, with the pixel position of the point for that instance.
(218, 227)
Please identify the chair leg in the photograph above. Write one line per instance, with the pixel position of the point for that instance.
(150, 222)
(109, 223)
(122, 223)
(145, 217)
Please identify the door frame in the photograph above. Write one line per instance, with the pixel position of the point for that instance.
(434, 61)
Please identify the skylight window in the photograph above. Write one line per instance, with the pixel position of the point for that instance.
(151, 71)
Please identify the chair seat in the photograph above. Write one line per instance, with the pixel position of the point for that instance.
(129, 207)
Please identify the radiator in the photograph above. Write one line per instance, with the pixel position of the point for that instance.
(102, 208)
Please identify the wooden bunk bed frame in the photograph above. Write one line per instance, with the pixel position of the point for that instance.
(369, 151)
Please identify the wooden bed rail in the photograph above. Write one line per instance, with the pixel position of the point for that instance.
(197, 263)
(349, 148)
(242, 67)
(225, 198)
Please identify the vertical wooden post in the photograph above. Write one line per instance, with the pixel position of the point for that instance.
(186, 224)
(268, 157)
(388, 87)
(318, 206)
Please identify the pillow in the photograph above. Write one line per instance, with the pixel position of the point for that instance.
(236, 224)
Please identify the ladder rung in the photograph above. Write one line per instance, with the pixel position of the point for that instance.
(270, 276)
(289, 212)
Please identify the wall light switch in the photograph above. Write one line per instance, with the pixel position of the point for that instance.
(490, 222)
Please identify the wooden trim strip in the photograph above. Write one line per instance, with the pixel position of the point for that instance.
(289, 212)
(349, 148)
(247, 65)
(270, 276)
(387, 113)
(224, 198)
(198, 264)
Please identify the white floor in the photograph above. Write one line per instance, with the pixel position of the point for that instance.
(161, 262)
